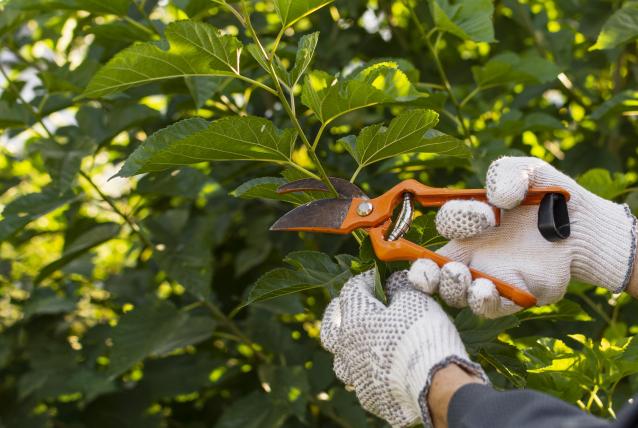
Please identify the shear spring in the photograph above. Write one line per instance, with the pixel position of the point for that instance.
(404, 219)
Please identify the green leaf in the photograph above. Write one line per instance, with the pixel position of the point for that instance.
(184, 182)
(381, 83)
(266, 188)
(466, 19)
(409, 132)
(116, 7)
(44, 301)
(80, 245)
(153, 330)
(122, 32)
(600, 182)
(195, 49)
(63, 160)
(291, 11)
(620, 28)
(511, 68)
(253, 411)
(14, 115)
(203, 88)
(303, 59)
(183, 249)
(191, 141)
(311, 269)
(621, 102)
(379, 291)
(289, 387)
(23, 210)
(477, 333)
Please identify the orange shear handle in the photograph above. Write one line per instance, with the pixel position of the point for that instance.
(402, 249)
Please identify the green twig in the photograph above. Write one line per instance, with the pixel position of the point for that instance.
(134, 226)
(439, 66)
(315, 143)
(286, 105)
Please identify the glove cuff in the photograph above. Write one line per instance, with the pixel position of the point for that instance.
(465, 364)
(606, 248)
(425, 345)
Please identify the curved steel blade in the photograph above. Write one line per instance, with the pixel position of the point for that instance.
(345, 188)
(324, 215)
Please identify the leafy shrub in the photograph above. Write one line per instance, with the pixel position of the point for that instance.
(162, 300)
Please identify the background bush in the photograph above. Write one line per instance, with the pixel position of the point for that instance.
(121, 301)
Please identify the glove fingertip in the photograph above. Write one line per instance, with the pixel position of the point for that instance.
(460, 219)
(424, 275)
(454, 283)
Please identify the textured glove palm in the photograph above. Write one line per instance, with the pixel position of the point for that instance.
(599, 251)
(388, 354)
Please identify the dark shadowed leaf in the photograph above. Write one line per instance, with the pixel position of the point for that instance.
(155, 329)
(476, 332)
(255, 410)
(511, 68)
(116, 7)
(311, 269)
(63, 161)
(266, 188)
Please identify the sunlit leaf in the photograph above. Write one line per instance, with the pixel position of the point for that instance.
(600, 182)
(291, 11)
(27, 208)
(195, 49)
(466, 19)
(409, 132)
(303, 59)
(621, 27)
(331, 97)
(80, 245)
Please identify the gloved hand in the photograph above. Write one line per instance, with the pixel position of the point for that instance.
(389, 354)
(600, 250)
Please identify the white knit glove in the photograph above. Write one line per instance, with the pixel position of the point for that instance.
(389, 354)
(600, 250)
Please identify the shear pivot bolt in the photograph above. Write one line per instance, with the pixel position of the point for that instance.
(365, 208)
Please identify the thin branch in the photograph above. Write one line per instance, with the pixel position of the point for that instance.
(439, 66)
(284, 102)
(132, 224)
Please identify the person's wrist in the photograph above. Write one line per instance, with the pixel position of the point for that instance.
(444, 384)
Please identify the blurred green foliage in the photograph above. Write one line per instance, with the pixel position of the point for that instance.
(161, 300)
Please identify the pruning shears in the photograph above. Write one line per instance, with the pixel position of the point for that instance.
(353, 209)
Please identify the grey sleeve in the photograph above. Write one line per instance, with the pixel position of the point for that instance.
(480, 406)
